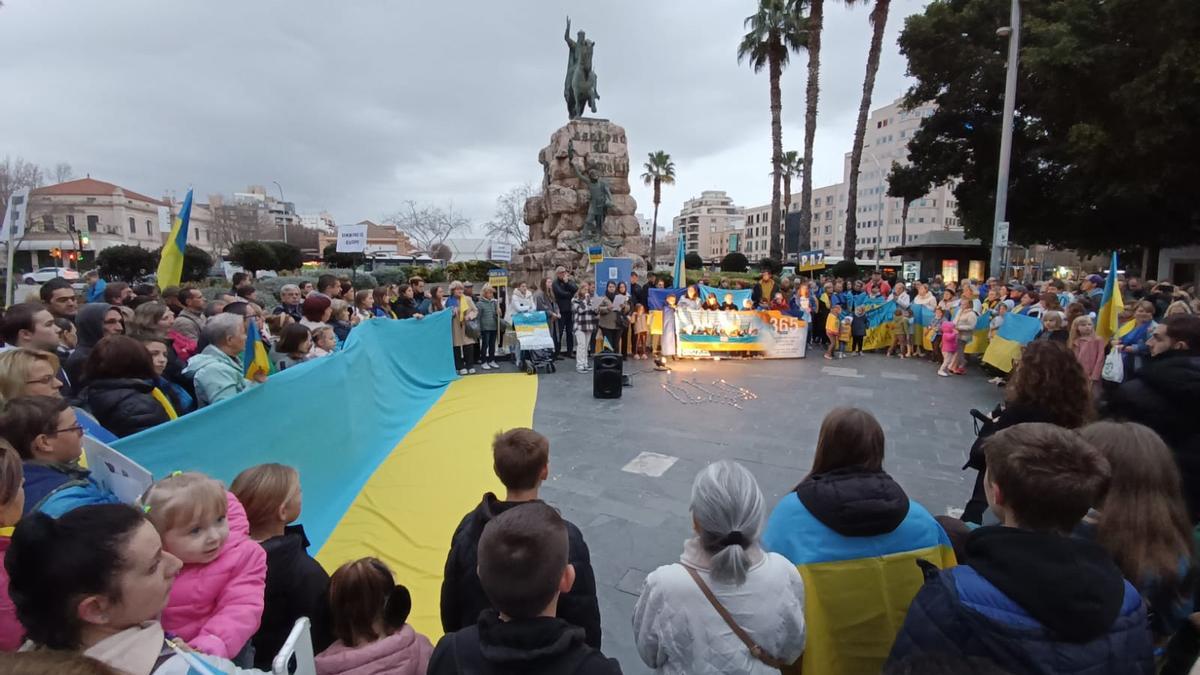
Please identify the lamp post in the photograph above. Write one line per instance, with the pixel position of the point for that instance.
(1013, 33)
(879, 222)
(283, 202)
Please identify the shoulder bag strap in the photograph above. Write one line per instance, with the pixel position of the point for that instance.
(758, 652)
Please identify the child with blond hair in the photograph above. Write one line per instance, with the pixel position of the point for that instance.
(297, 585)
(216, 602)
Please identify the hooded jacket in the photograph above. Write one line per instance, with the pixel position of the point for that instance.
(1165, 395)
(538, 646)
(1032, 603)
(54, 488)
(463, 598)
(124, 406)
(405, 652)
(855, 538)
(296, 586)
(217, 376)
(216, 607)
(89, 326)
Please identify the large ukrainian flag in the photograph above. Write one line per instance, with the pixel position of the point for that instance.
(391, 446)
(856, 589)
(1111, 304)
(170, 263)
(1017, 331)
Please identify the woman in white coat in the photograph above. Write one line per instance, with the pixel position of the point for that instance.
(679, 630)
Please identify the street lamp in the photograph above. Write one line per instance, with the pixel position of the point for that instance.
(282, 201)
(999, 230)
(878, 223)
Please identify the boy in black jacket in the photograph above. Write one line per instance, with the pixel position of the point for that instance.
(523, 569)
(1030, 597)
(521, 459)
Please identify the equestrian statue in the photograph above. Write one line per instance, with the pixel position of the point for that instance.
(580, 86)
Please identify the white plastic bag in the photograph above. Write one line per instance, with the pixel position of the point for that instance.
(1114, 366)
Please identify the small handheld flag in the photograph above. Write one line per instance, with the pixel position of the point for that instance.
(170, 263)
(680, 266)
(1111, 304)
(254, 357)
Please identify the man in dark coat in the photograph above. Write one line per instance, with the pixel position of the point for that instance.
(1165, 396)
(524, 570)
(1029, 597)
(564, 291)
(522, 463)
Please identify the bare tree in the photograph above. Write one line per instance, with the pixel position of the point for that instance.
(237, 221)
(18, 175)
(428, 225)
(62, 172)
(508, 223)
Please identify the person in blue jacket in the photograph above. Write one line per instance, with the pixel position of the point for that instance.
(1028, 596)
(47, 436)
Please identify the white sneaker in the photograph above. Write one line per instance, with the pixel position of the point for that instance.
(942, 373)
(494, 365)
(462, 371)
(485, 366)
(471, 371)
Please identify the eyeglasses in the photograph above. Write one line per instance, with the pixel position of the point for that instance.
(70, 430)
(47, 379)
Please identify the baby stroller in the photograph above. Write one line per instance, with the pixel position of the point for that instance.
(534, 341)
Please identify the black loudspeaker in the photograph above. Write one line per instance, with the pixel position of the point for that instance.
(606, 375)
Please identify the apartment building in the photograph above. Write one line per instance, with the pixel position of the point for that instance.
(711, 224)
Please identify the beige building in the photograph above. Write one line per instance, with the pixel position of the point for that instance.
(888, 131)
(86, 216)
(711, 225)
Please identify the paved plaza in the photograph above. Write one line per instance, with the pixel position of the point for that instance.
(622, 469)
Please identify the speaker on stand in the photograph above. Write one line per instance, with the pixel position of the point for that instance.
(607, 379)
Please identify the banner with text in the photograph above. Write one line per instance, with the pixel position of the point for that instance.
(532, 330)
(712, 333)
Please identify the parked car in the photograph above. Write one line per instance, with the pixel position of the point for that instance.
(43, 274)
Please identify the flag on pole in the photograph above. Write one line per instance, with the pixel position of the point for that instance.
(1111, 304)
(170, 263)
(680, 268)
(254, 357)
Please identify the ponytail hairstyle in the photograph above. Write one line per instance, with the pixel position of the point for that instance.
(263, 490)
(54, 564)
(363, 595)
(727, 507)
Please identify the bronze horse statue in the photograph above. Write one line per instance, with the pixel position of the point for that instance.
(580, 86)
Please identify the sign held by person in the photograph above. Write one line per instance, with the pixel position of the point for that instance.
(352, 238)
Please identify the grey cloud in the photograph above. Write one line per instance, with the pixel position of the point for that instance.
(356, 106)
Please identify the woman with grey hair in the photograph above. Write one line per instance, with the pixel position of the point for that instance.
(727, 606)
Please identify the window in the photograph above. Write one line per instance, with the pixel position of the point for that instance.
(70, 223)
(47, 223)
(93, 223)
(149, 228)
(132, 227)
(921, 219)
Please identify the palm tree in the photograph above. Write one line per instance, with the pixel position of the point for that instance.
(812, 38)
(906, 183)
(773, 32)
(793, 166)
(879, 15)
(660, 170)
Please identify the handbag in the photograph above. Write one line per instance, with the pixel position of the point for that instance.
(471, 328)
(1114, 367)
(755, 650)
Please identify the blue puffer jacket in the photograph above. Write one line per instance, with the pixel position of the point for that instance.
(54, 489)
(1032, 603)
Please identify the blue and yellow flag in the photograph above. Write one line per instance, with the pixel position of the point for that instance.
(680, 266)
(254, 357)
(1111, 304)
(170, 264)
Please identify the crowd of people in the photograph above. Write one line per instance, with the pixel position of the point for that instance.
(1075, 552)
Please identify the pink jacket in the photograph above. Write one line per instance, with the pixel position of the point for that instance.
(949, 337)
(12, 633)
(216, 608)
(405, 652)
(1090, 354)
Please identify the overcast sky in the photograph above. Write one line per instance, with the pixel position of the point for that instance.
(354, 107)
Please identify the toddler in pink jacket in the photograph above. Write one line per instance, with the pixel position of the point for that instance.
(949, 347)
(216, 602)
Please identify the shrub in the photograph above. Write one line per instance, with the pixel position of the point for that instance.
(845, 269)
(287, 256)
(474, 270)
(334, 259)
(769, 264)
(126, 263)
(734, 262)
(253, 256)
(693, 261)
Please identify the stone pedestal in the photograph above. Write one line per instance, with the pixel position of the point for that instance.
(556, 216)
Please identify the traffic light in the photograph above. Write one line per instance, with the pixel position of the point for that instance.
(56, 253)
(84, 239)
(72, 256)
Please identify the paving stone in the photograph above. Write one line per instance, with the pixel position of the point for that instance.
(650, 464)
(632, 581)
(841, 372)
